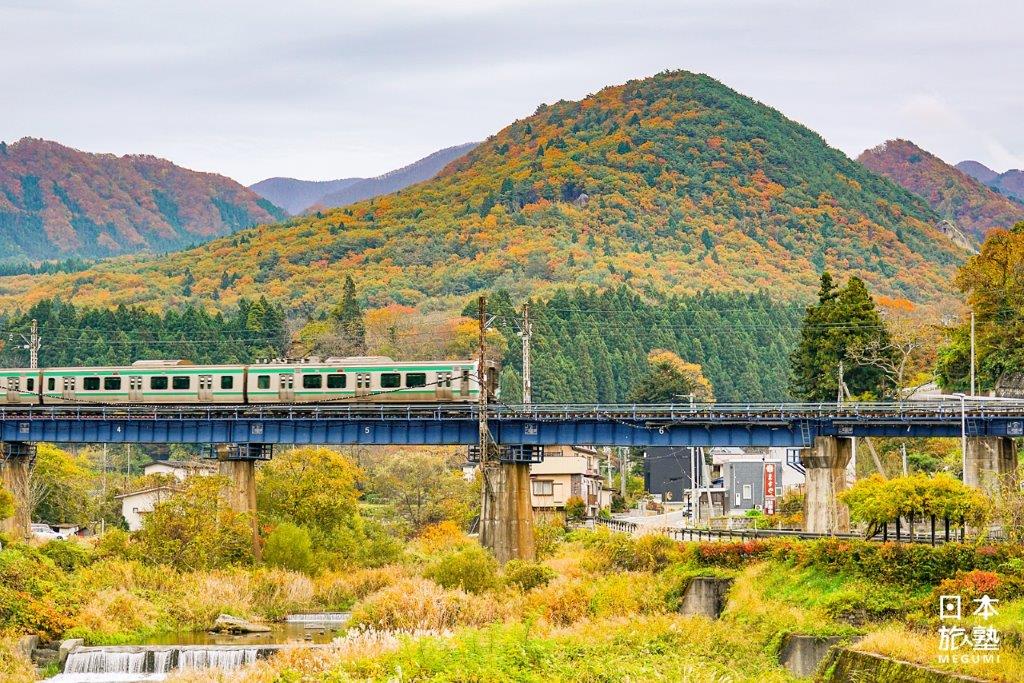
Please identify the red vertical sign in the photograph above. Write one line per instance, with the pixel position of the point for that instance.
(769, 488)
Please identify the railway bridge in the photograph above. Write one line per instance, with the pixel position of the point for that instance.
(244, 434)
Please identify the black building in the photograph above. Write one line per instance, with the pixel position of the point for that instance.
(667, 471)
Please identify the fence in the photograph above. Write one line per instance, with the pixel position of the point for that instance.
(881, 536)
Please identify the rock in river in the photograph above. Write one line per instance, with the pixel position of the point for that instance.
(226, 623)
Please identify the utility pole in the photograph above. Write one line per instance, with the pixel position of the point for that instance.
(903, 449)
(526, 334)
(623, 469)
(972, 352)
(482, 379)
(33, 346)
(839, 397)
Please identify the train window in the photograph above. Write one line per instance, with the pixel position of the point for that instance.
(390, 380)
(312, 381)
(262, 381)
(111, 383)
(415, 379)
(336, 380)
(181, 382)
(30, 384)
(91, 383)
(51, 383)
(227, 382)
(157, 382)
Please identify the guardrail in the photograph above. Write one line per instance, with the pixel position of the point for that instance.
(710, 535)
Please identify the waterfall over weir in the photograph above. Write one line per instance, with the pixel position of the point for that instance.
(154, 662)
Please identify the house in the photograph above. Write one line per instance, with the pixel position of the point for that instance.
(180, 469)
(137, 504)
(568, 471)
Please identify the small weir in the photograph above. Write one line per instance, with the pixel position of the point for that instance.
(152, 663)
(319, 618)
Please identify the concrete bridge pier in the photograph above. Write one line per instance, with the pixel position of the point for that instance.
(506, 514)
(238, 465)
(991, 463)
(826, 463)
(16, 467)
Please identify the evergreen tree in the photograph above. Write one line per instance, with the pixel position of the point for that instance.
(843, 320)
(349, 318)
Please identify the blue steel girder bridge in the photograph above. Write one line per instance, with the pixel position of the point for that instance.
(792, 425)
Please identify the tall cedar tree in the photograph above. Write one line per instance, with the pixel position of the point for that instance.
(349, 316)
(843, 319)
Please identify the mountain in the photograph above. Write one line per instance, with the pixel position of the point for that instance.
(956, 196)
(978, 171)
(296, 196)
(1010, 183)
(392, 181)
(674, 183)
(57, 202)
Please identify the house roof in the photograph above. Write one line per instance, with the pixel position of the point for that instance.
(182, 464)
(151, 489)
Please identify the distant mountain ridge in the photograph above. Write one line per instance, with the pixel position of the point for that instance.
(971, 205)
(295, 196)
(1009, 183)
(59, 202)
(673, 184)
(299, 196)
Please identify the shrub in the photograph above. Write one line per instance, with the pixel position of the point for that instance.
(416, 603)
(976, 583)
(441, 536)
(470, 568)
(527, 575)
(563, 602)
(114, 612)
(547, 536)
(339, 590)
(288, 546)
(575, 509)
(68, 555)
(731, 555)
(117, 543)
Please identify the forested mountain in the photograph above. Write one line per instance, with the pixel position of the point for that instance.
(1009, 183)
(593, 347)
(296, 196)
(672, 184)
(57, 202)
(73, 336)
(956, 196)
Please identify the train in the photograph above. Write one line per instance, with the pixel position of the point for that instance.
(369, 379)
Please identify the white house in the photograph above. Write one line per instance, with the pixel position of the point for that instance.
(568, 471)
(180, 469)
(137, 504)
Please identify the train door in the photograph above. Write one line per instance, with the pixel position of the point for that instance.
(135, 389)
(205, 387)
(286, 390)
(13, 389)
(68, 389)
(362, 384)
(464, 383)
(443, 389)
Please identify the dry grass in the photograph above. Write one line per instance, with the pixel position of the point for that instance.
(900, 643)
(339, 590)
(114, 611)
(15, 667)
(309, 663)
(418, 604)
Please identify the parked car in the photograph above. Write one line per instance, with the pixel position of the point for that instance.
(44, 533)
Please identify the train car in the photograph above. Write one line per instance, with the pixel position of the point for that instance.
(19, 386)
(145, 382)
(374, 379)
(371, 379)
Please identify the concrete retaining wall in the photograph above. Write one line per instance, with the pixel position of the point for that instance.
(841, 665)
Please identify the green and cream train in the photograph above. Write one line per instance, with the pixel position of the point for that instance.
(372, 379)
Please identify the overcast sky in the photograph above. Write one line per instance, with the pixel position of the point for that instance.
(332, 89)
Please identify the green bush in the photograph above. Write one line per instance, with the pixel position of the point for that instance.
(117, 543)
(527, 575)
(68, 555)
(470, 568)
(575, 509)
(289, 547)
